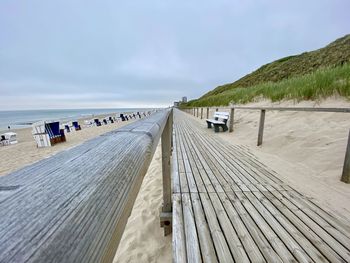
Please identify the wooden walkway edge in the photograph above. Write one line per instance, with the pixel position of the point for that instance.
(230, 207)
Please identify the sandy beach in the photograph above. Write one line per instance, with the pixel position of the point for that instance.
(25, 151)
(143, 239)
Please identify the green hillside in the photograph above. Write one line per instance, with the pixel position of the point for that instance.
(321, 73)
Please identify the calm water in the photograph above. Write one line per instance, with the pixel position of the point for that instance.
(24, 118)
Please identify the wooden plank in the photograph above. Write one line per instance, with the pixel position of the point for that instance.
(303, 228)
(243, 232)
(288, 240)
(271, 236)
(346, 167)
(87, 191)
(264, 245)
(220, 244)
(179, 242)
(166, 168)
(261, 127)
(205, 240)
(175, 168)
(233, 241)
(192, 243)
(291, 229)
(343, 110)
(231, 120)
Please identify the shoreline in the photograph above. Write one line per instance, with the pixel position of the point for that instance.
(19, 125)
(25, 152)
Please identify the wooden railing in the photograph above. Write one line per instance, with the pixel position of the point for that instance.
(346, 168)
(73, 206)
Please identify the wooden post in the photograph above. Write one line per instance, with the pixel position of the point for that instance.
(217, 109)
(231, 119)
(346, 168)
(194, 111)
(207, 113)
(165, 217)
(197, 112)
(201, 113)
(261, 127)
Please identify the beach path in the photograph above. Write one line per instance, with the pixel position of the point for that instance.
(230, 207)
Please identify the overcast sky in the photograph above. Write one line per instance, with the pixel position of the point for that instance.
(95, 54)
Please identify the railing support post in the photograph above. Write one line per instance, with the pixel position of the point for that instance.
(261, 127)
(166, 213)
(346, 168)
(207, 113)
(201, 113)
(231, 119)
(197, 112)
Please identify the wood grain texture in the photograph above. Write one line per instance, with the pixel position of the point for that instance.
(73, 206)
(241, 211)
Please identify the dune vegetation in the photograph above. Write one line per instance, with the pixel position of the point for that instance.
(308, 76)
(314, 86)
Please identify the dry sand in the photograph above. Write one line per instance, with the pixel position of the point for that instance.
(143, 239)
(25, 151)
(306, 149)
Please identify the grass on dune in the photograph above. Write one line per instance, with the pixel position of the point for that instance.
(314, 86)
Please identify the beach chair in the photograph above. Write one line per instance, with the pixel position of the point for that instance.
(9, 138)
(111, 119)
(122, 116)
(2, 140)
(66, 127)
(220, 120)
(76, 125)
(97, 122)
(48, 133)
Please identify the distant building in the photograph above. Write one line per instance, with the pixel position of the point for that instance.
(184, 99)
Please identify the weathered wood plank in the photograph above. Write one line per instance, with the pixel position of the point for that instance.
(192, 242)
(346, 167)
(74, 206)
(205, 240)
(249, 212)
(220, 243)
(179, 242)
(344, 110)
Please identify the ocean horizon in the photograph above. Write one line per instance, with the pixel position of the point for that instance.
(18, 119)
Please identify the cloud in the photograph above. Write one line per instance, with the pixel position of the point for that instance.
(109, 53)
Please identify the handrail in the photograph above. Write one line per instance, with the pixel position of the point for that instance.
(344, 110)
(73, 206)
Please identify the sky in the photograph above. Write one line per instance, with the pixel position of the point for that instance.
(117, 54)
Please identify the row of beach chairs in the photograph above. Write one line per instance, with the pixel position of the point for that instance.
(48, 133)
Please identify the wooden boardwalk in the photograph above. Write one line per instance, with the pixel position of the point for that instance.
(229, 207)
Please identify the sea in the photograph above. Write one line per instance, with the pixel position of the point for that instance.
(25, 118)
